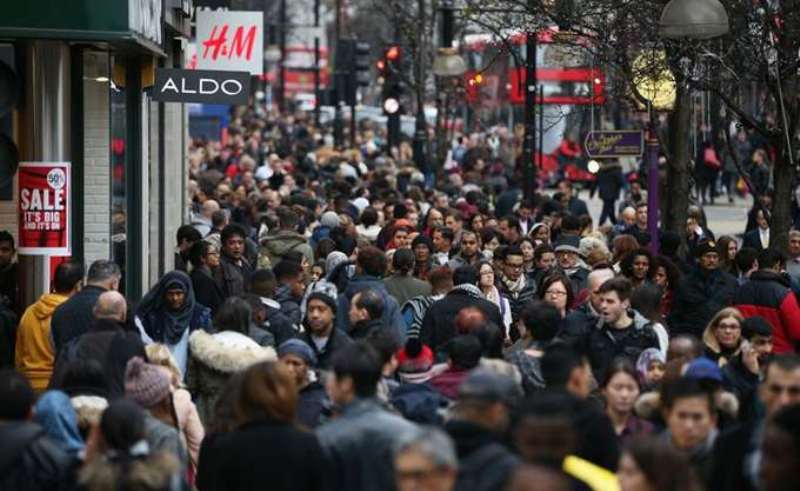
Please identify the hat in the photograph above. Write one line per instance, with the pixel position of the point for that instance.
(403, 224)
(756, 326)
(704, 247)
(421, 239)
(323, 297)
(487, 385)
(329, 219)
(568, 243)
(703, 369)
(145, 384)
(422, 362)
(299, 348)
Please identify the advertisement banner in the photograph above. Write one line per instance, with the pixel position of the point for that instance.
(204, 86)
(44, 208)
(610, 144)
(230, 41)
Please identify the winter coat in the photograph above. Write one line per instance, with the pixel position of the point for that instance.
(234, 276)
(189, 424)
(336, 341)
(366, 328)
(213, 359)
(207, 291)
(358, 446)
(154, 472)
(8, 335)
(34, 355)
(447, 382)
(607, 343)
(30, 460)
(391, 318)
(110, 345)
(405, 287)
(752, 239)
(290, 306)
(578, 324)
(530, 369)
(759, 177)
(484, 463)
(610, 182)
(311, 404)
(291, 459)
(518, 300)
(577, 207)
(698, 298)
(769, 295)
(73, 317)
(732, 452)
(438, 324)
(274, 247)
(715, 352)
(739, 380)
(278, 323)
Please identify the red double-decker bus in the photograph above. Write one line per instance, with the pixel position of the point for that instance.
(563, 73)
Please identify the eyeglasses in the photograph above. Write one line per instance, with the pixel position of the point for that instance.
(555, 293)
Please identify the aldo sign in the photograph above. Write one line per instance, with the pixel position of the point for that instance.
(204, 86)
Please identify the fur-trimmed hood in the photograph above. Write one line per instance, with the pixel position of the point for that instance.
(227, 351)
(648, 405)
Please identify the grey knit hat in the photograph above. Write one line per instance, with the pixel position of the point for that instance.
(145, 384)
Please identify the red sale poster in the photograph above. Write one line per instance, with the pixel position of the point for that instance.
(44, 208)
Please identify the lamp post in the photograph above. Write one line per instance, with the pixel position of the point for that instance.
(680, 19)
(448, 64)
(420, 142)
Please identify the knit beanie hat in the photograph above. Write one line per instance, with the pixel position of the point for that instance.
(299, 348)
(329, 219)
(145, 384)
(324, 297)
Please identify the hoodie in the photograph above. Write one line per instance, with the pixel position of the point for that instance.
(275, 246)
(34, 352)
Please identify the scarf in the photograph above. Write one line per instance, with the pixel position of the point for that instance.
(494, 297)
(469, 289)
(514, 286)
(161, 324)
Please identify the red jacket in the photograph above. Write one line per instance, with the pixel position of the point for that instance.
(768, 294)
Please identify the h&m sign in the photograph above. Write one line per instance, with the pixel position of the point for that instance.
(203, 86)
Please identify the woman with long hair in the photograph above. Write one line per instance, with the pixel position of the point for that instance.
(620, 388)
(621, 246)
(487, 285)
(723, 335)
(637, 266)
(667, 276)
(527, 245)
(264, 410)
(728, 247)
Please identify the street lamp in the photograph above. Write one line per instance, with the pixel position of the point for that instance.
(680, 19)
(693, 19)
(448, 63)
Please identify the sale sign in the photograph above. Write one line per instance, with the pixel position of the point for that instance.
(44, 208)
(230, 41)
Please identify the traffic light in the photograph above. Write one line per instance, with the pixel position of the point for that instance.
(362, 65)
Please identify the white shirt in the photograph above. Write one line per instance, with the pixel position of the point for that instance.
(764, 236)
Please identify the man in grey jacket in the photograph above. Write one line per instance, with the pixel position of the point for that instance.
(358, 443)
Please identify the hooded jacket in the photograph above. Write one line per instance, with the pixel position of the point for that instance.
(698, 297)
(769, 295)
(607, 343)
(391, 318)
(214, 358)
(34, 351)
(275, 246)
(31, 461)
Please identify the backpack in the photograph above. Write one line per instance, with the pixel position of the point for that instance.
(487, 469)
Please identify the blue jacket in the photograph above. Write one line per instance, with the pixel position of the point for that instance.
(392, 317)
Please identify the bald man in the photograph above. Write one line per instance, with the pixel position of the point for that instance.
(580, 322)
(202, 220)
(106, 347)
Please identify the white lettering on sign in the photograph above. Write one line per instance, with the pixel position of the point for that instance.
(42, 200)
(230, 41)
(205, 86)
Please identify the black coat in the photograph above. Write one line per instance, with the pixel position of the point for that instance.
(739, 380)
(484, 463)
(110, 345)
(8, 336)
(206, 290)
(278, 323)
(577, 325)
(29, 460)
(610, 182)
(312, 404)
(753, 239)
(698, 297)
(261, 455)
(759, 177)
(72, 318)
(438, 326)
(728, 472)
(336, 341)
(577, 207)
(607, 343)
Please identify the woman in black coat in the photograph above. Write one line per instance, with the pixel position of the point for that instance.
(204, 257)
(266, 449)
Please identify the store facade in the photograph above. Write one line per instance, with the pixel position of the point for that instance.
(85, 68)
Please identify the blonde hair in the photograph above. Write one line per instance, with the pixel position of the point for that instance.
(159, 354)
(724, 314)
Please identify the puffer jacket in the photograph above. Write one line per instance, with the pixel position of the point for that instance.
(30, 460)
(275, 246)
(34, 354)
(604, 346)
(769, 295)
(698, 298)
(214, 358)
(392, 318)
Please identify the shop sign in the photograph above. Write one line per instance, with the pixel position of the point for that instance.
(231, 41)
(611, 144)
(44, 208)
(204, 86)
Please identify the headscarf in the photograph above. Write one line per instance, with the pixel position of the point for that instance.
(647, 357)
(161, 324)
(54, 412)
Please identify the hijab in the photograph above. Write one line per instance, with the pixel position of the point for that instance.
(160, 323)
(54, 412)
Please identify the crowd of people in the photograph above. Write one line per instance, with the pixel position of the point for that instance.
(333, 323)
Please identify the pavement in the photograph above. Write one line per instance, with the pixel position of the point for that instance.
(723, 218)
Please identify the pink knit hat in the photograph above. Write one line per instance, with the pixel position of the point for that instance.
(145, 383)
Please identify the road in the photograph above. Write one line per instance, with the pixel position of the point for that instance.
(723, 218)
